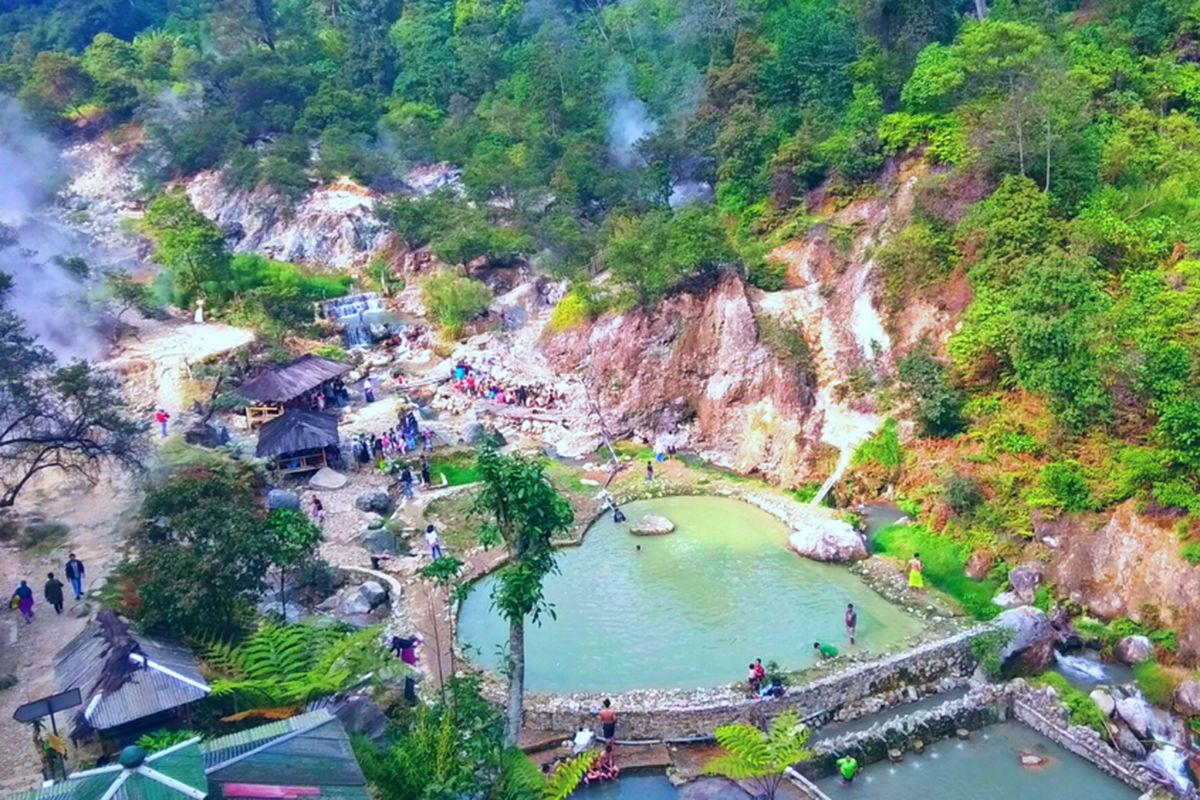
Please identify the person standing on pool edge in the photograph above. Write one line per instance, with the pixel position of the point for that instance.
(608, 721)
(916, 581)
(851, 621)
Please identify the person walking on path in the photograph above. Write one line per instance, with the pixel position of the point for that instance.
(425, 473)
(434, 541)
(608, 720)
(22, 600)
(851, 621)
(406, 482)
(75, 573)
(318, 510)
(54, 592)
(649, 470)
(368, 389)
(161, 417)
(916, 580)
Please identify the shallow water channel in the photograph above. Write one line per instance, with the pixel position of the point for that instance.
(985, 767)
(689, 610)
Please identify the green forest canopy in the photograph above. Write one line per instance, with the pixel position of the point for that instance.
(1064, 136)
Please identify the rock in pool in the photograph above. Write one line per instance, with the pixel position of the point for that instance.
(652, 525)
(824, 539)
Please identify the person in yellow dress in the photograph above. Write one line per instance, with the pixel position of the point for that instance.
(915, 579)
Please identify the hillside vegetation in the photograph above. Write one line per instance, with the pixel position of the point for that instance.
(1061, 142)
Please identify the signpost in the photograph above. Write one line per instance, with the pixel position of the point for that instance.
(45, 707)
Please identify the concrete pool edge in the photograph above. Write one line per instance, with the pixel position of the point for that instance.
(689, 713)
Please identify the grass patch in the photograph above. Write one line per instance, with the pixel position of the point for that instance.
(944, 562)
(1158, 682)
(883, 448)
(1083, 710)
(458, 467)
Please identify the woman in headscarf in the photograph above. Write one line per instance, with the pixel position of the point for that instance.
(22, 600)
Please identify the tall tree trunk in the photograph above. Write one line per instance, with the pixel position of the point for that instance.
(1021, 143)
(1047, 189)
(981, 9)
(515, 710)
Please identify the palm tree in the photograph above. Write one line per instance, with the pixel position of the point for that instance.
(758, 757)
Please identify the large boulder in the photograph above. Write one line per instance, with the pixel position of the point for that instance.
(211, 434)
(375, 593)
(361, 715)
(377, 501)
(327, 479)
(825, 539)
(361, 599)
(1186, 700)
(1134, 712)
(1127, 741)
(1030, 646)
(1134, 650)
(282, 498)
(1104, 701)
(979, 565)
(379, 540)
(652, 525)
(1025, 580)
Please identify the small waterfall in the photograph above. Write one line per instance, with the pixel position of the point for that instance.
(1081, 668)
(843, 461)
(1171, 764)
(355, 314)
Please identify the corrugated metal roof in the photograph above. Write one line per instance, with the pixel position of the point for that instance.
(297, 431)
(182, 762)
(292, 380)
(148, 691)
(306, 750)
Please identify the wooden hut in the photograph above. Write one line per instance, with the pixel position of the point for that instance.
(270, 393)
(298, 441)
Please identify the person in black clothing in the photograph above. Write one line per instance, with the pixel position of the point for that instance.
(75, 572)
(425, 471)
(54, 592)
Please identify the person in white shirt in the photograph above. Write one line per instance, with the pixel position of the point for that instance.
(435, 544)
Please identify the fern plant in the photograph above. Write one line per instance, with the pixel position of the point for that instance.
(290, 665)
(161, 739)
(520, 778)
(761, 758)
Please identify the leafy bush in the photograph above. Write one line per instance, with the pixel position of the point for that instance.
(1081, 708)
(1190, 552)
(939, 403)
(454, 299)
(785, 340)
(1156, 682)
(154, 741)
(1065, 482)
(883, 448)
(572, 311)
(944, 562)
(962, 493)
(986, 648)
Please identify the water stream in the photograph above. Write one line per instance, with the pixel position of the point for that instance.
(1085, 670)
(985, 767)
(357, 314)
(689, 609)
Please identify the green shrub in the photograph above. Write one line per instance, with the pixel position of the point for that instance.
(572, 311)
(154, 741)
(1190, 552)
(1065, 482)
(944, 561)
(883, 448)
(986, 648)
(1156, 682)
(962, 493)
(939, 403)
(454, 299)
(1082, 709)
(785, 340)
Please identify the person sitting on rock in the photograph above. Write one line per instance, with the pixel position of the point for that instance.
(604, 768)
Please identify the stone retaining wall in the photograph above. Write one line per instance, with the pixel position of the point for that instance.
(683, 714)
(1047, 716)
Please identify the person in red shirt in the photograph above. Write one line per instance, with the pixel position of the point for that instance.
(759, 672)
(161, 416)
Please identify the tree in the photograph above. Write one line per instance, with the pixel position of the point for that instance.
(939, 403)
(758, 757)
(523, 513)
(70, 418)
(206, 545)
(190, 248)
(125, 294)
(454, 299)
(294, 541)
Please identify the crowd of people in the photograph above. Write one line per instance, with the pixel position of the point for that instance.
(332, 393)
(477, 384)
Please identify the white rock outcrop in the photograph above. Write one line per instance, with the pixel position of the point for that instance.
(825, 539)
(652, 525)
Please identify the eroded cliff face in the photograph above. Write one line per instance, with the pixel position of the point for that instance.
(693, 372)
(334, 226)
(1130, 567)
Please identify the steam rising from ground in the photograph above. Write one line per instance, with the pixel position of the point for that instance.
(629, 124)
(51, 300)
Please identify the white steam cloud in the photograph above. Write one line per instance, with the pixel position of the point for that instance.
(32, 242)
(629, 123)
